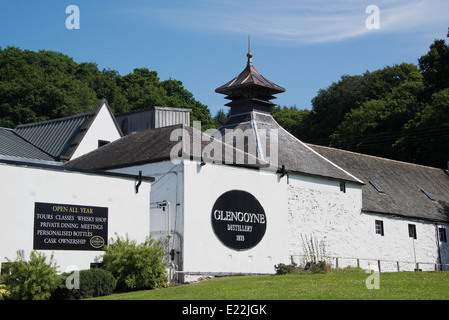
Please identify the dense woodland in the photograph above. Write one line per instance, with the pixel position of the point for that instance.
(37, 86)
(399, 112)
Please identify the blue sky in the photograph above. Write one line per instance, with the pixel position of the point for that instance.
(303, 46)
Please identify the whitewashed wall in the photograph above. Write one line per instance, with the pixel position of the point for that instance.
(318, 210)
(203, 251)
(305, 208)
(397, 247)
(21, 187)
(168, 186)
(192, 190)
(102, 128)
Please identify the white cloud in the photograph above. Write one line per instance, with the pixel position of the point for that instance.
(302, 21)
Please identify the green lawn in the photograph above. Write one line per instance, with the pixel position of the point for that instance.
(336, 285)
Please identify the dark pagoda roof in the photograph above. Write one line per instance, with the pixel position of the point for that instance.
(249, 77)
(250, 120)
(250, 90)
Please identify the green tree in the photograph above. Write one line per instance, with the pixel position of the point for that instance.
(179, 97)
(331, 105)
(435, 67)
(376, 125)
(293, 120)
(38, 86)
(220, 118)
(425, 138)
(398, 111)
(105, 86)
(142, 89)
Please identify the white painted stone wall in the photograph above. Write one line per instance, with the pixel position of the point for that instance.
(22, 186)
(397, 247)
(192, 190)
(318, 210)
(307, 207)
(203, 251)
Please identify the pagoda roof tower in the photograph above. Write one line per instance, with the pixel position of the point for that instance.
(250, 90)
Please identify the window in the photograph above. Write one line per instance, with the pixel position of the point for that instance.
(412, 231)
(102, 143)
(379, 226)
(376, 186)
(96, 265)
(428, 194)
(442, 234)
(343, 187)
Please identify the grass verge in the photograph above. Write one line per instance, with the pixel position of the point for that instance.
(332, 286)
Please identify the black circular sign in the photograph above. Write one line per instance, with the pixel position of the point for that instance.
(238, 220)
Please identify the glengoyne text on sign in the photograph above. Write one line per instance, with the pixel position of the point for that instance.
(238, 220)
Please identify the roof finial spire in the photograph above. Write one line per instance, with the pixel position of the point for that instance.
(249, 54)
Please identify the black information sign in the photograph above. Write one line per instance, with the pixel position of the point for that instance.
(238, 220)
(69, 227)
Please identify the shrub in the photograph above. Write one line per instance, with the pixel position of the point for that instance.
(135, 266)
(92, 283)
(4, 293)
(33, 280)
(282, 268)
(314, 251)
(317, 267)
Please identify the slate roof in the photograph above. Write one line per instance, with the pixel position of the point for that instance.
(59, 137)
(401, 183)
(12, 145)
(53, 136)
(156, 145)
(293, 154)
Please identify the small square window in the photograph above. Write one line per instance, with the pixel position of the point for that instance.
(412, 231)
(96, 265)
(102, 143)
(379, 226)
(4, 267)
(442, 234)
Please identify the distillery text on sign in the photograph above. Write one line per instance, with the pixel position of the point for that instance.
(69, 227)
(238, 220)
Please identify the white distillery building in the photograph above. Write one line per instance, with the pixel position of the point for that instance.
(250, 195)
(240, 199)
